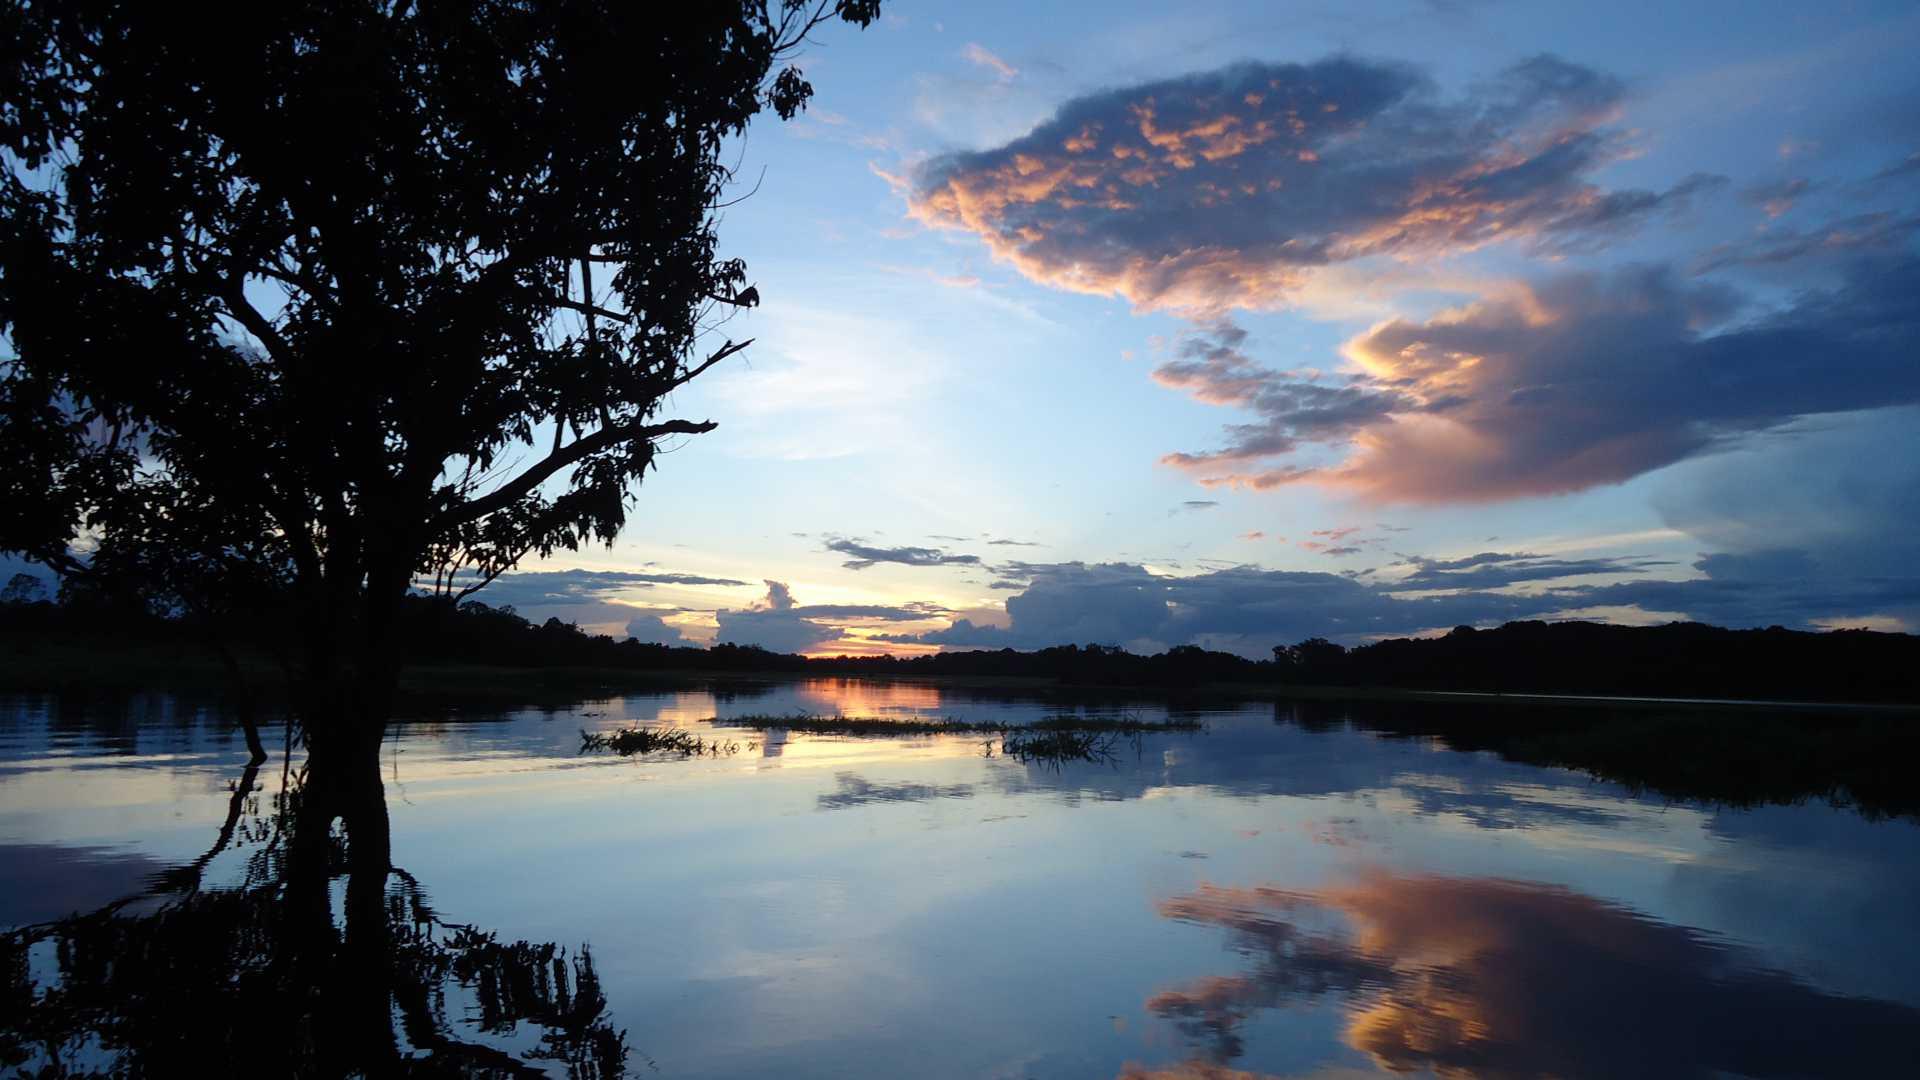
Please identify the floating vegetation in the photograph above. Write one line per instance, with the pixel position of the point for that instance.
(658, 740)
(1057, 745)
(888, 726)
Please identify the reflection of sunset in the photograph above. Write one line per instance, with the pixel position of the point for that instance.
(812, 751)
(680, 710)
(1483, 977)
(859, 697)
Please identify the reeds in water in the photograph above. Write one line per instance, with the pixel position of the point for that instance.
(658, 740)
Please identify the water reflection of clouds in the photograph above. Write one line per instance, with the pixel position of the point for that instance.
(1486, 977)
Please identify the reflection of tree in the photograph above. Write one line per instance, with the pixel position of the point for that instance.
(1487, 978)
(857, 790)
(264, 977)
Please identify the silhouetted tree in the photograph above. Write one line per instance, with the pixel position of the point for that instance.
(350, 294)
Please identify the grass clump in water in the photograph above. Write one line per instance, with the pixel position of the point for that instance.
(1056, 745)
(887, 726)
(660, 740)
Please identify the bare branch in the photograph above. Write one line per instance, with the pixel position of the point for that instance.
(720, 354)
(589, 310)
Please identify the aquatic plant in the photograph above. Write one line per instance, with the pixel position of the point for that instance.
(1057, 745)
(1125, 724)
(639, 740)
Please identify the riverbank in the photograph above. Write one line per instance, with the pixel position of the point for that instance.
(67, 665)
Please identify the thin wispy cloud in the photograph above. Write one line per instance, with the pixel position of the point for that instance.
(863, 555)
(975, 53)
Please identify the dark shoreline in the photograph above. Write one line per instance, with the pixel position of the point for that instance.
(109, 665)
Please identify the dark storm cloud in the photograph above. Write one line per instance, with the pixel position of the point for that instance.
(866, 555)
(1230, 187)
(1590, 379)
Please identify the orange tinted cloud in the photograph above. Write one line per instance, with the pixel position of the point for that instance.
(1231, 188)
(1555, 386)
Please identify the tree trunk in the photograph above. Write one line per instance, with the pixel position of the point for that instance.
(352, 970)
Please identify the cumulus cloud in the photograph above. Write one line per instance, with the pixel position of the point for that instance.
(773, 623)
(1245, 608)
(1232, 187)
(866, 555)
(1249, 610)
(779, 623)
(1577, 381)
(650, 627)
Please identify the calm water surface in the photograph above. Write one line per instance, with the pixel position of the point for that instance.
(1254, 899)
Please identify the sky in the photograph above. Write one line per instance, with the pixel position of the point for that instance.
(1240, 324)
(1236, 324)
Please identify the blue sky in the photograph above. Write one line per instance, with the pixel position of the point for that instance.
(1457, 311)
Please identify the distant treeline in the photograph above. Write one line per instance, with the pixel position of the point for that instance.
(1675, 660)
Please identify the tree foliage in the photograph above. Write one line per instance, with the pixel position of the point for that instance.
(334, 294)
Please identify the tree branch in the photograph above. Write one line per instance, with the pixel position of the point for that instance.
(721, 354)
(605, 439)
(588, 309)
(233, 296)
